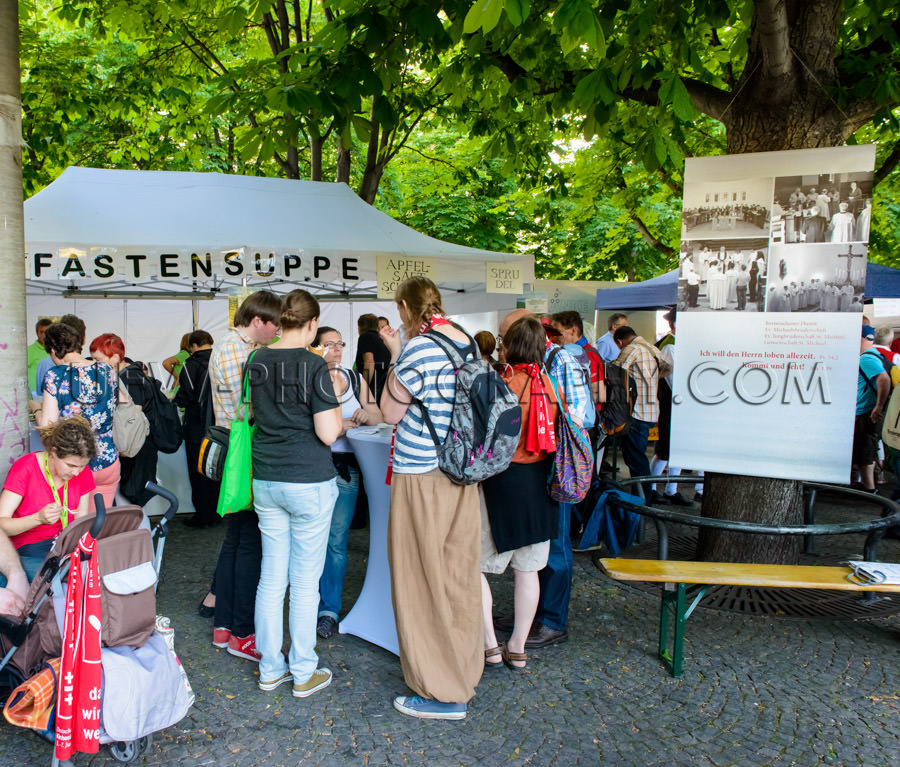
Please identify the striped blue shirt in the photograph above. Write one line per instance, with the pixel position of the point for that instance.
(427, 373)
(571, 378)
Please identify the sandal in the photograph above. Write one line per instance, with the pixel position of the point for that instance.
(509, 656)
(493, 653)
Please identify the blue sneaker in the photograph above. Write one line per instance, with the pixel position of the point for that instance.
(428, 708)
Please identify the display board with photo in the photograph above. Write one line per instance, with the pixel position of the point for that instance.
(726, 209)
(722, 275)
(830, 277)
(822, 207)
(740, 377)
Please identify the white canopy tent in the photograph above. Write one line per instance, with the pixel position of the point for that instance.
(97, 234)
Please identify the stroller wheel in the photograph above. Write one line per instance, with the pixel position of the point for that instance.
(144, 744)
(125, 751)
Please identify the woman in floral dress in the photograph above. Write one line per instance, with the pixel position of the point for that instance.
(76, 386)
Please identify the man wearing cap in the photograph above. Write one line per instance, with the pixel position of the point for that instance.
(872, 390)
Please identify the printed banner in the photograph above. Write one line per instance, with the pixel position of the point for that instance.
(98, 265)
(500, 277)
(390, 271)
(770, 302)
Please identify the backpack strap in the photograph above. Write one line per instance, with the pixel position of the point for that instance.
(869, 380)
(456, 359)
(449, 348)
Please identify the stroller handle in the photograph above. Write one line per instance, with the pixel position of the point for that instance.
(169, 496)
(100, 518)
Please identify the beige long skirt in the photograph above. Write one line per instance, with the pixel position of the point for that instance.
(434, 550)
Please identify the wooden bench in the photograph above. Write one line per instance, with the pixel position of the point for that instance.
(686, 583)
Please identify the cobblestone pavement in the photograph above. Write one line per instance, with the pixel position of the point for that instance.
(756, 691)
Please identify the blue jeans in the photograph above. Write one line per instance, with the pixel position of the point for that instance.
(556, 577)
(294, 520)
(331, 584)
(32, 556)
(634, 448)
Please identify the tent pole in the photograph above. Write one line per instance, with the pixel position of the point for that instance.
(596, 322)
(194, 312)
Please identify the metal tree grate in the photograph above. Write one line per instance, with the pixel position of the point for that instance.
(776, 603)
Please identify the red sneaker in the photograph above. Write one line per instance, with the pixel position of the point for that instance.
(244, 647)
(221, 637)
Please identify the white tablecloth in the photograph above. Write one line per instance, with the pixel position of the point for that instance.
(372, 615)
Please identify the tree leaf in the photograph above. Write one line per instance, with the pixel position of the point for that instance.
(517, 11)
(484, 14)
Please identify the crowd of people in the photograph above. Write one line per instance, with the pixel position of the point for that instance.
(879, 374)
(823, 214)
(443, 538)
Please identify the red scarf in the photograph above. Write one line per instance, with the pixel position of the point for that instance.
(78, 701)
(539, 433)
(435, 322)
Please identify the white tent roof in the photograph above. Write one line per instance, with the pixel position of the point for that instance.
(97, 211)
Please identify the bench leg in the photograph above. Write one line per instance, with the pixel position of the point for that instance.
(677, 598)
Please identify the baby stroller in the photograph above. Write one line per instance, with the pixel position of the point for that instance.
(143, 686)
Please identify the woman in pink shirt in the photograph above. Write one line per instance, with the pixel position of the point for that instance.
(45, 490)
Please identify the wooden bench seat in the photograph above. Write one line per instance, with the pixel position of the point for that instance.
(688, 583)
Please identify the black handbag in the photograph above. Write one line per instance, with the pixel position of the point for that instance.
(213, 450)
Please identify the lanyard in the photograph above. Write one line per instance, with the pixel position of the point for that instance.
(64, 514)
(435, 322)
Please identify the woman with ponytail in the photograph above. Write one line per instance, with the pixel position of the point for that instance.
(519, 518)
(297, 418)
(435, 526)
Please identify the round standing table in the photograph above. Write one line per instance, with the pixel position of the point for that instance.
(372, 615)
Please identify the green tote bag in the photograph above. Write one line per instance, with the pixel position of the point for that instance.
(236, 492)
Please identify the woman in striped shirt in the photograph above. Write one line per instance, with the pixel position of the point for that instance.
(434, 532)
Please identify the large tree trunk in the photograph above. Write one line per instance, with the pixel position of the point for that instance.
(13, 378)
(781, 102)
(747, 499)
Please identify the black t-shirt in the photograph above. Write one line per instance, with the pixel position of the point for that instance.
(371, 342)
(287, 388)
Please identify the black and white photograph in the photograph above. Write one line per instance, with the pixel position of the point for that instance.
(824, 207)
(726, 209)
(723, 275)
(828, 278)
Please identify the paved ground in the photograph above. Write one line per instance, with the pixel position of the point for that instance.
(755, 691)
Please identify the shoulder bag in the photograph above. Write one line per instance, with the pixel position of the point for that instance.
(236, 493)
(573, 464)
(130, 426)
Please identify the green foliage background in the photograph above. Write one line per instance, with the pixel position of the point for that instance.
(555, 128)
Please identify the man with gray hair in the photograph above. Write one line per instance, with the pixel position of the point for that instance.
(606, 346)
(883, 337)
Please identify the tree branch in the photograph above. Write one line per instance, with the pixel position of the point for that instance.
(654, 241)
(298, 21)
(284, 26)
(772, 32)
(888, 165)
(430, 158)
